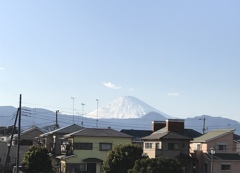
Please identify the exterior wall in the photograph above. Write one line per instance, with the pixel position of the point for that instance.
(152, 152)
(226, 139)
(31, 135)
(82, 154)
(94, 153)
(235, 166)
(238, 147)
(3, 153)
(183, 148)
(164, 151)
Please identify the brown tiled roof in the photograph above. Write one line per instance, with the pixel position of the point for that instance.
(98, 133)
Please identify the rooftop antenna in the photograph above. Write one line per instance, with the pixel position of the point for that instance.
(73, 107)
(82, 112)
(97, 113)
(204, 125)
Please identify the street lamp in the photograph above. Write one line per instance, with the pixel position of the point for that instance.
(212, 153)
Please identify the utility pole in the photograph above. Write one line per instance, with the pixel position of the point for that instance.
(57, 126)
(204, 125)
(10, 144)
(19, 131)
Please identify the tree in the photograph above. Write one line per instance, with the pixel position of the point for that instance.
(37, 160)
(122, 158)
(156, 165)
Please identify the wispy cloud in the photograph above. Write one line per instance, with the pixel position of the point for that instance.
(111, 85)
(131, 89)
(173, 94)
(1, 68)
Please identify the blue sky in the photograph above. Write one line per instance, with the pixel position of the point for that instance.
(181, 57)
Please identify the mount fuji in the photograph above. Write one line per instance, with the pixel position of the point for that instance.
(124, 108)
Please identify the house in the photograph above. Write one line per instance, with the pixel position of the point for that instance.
(3, 153)
(52, 140)
(28, 138)
(86, 149)
(169, 140)
(156, 125)
(216, 151)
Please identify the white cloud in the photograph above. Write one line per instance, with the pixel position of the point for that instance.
(173, 94)
(131, 89)
(1, 68)
(111, 85)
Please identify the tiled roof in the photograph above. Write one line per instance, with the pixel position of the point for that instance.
(137, 133)
(212, 135)
(166, 135)
(94, 132)
(64, 130)
(223, 156)
(236, 137)
(191, 133)
(187, 134)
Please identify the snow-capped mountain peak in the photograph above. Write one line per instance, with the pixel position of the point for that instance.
(124, 107)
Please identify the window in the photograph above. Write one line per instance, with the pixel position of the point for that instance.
(26, 142)
(105, 146)
(222, 147)
(158, 145)
(226, 167)
(148, 145)
(173, 146)
(82, 166)
(199, 147)
(82, 146)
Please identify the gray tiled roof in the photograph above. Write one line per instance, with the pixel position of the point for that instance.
(223, 156)
(64, 130)
(166, 135)
(212, 135)
(137, 133)
(94, 132)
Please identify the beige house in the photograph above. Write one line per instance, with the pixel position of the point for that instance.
(216, 151)
(86, 149)
(170, 139)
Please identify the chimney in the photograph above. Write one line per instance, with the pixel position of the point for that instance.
(156, 125)
(175, 125)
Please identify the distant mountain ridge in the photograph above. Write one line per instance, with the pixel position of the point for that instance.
(45, 119)
(124, 108)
